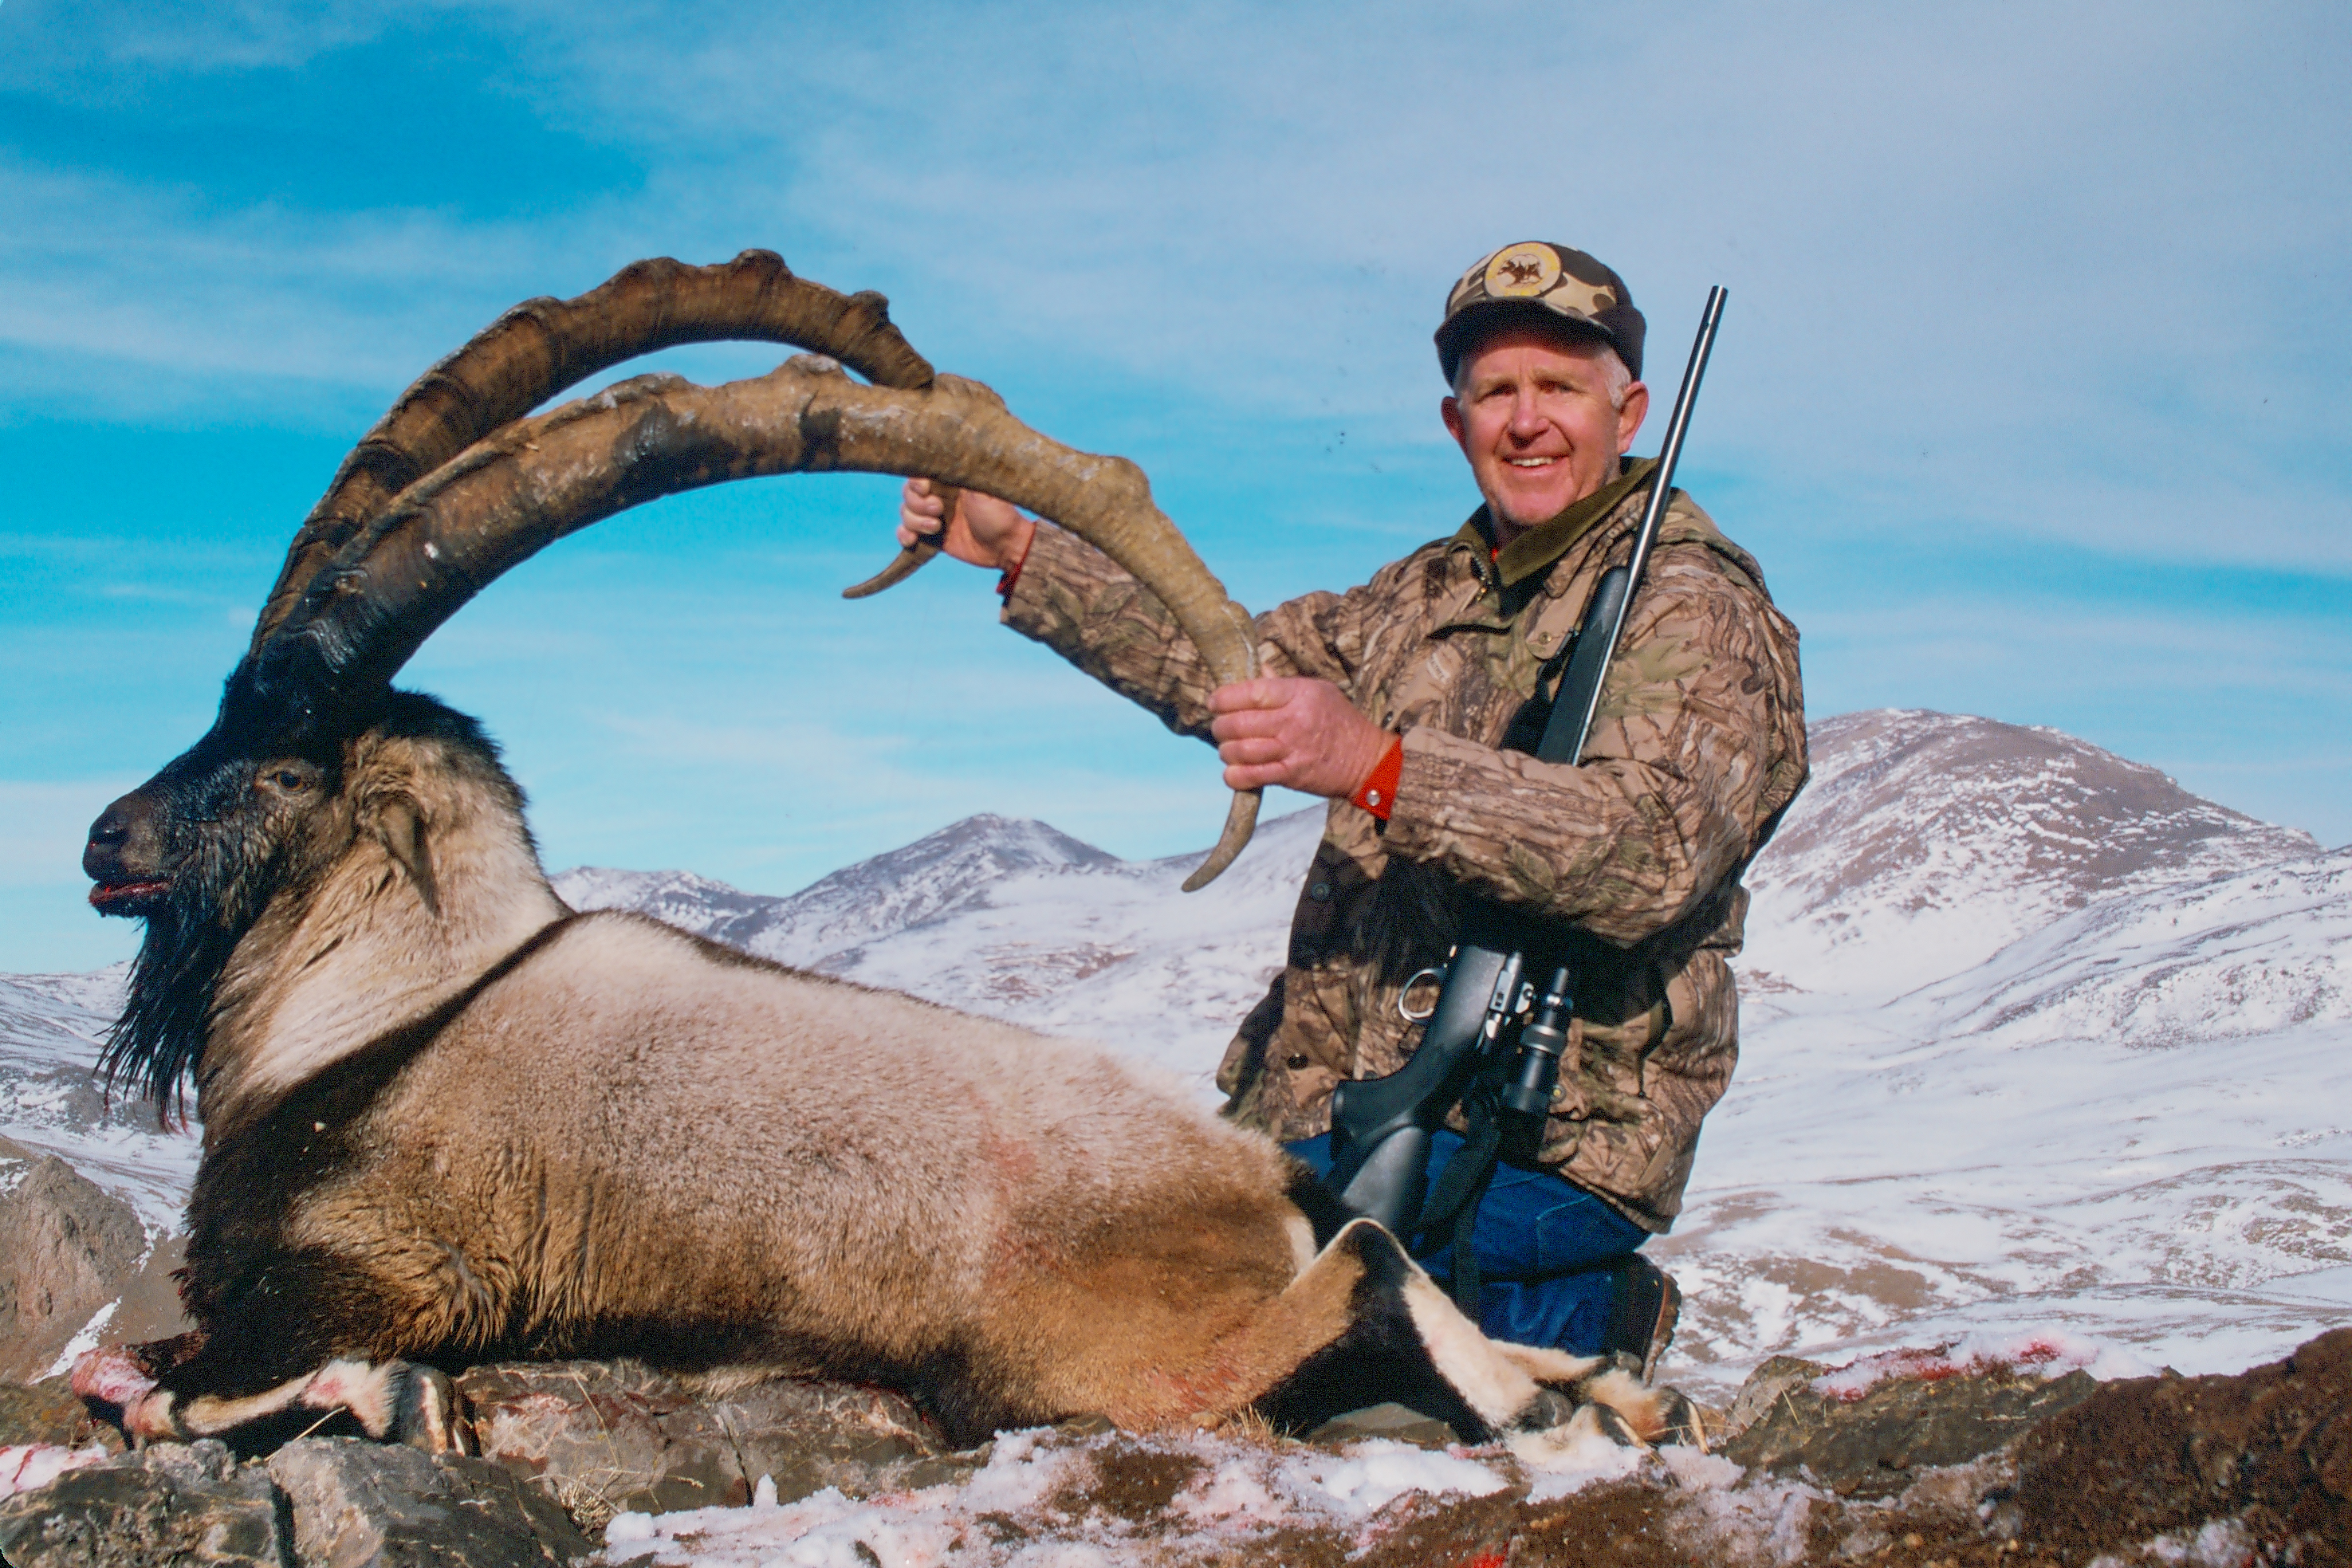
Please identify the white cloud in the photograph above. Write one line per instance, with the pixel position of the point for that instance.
(123, 271)
(2045, 271)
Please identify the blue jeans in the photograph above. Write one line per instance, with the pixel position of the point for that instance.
(1546, 1250)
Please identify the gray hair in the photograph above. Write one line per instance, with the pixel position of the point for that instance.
(1615, 379)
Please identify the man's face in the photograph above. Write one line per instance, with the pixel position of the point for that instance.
(1533, 416)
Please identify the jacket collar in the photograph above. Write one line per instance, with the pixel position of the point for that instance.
(1534, 550)
(1508, 579)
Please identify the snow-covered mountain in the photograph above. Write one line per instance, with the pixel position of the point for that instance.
(1926, 843)
(90, 1245)
(51, 1030)
(1018, 921)
(2135, 1123)
(2032, 1037)
(932, 877)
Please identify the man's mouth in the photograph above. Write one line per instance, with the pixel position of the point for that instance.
(1530, 462)
(128, 897)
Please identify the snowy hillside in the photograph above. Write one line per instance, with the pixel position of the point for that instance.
(1926, 843)
(1018, 921)
(932, 877)
(2135, 1122)
(51, 1027)
(2031, 1036)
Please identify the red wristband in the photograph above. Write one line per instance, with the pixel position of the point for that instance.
(1379, 794)
(1012, 573)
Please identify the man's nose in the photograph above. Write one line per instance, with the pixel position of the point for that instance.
(1527, 415)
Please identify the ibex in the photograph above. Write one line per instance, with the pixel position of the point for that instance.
(447, 1120)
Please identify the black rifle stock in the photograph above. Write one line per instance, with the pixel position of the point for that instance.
(1382, 1127)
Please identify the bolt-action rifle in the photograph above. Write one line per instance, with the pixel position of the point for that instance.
(1382, 1127)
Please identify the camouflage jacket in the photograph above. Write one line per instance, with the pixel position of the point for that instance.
(1629, 862)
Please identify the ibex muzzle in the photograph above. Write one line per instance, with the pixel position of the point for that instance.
(124, 858)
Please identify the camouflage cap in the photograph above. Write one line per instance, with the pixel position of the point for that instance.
(1534, 279)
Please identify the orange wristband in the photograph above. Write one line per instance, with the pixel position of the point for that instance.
(1378, 795)
(1012, 573)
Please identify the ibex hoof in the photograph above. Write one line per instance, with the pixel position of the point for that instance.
(1607, 1422)
(1681, 1426)
(424, 1411)
(393, 1401)
(1549, 1408)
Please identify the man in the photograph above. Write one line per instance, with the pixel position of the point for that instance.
(1413, 703)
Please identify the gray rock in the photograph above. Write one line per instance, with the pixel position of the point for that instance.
(603, 1437)
(172, 1505)
(71, 1246)
(1873, 1446)
(1398, 1423)
(149, 1308)
(49, 1412)
(1764, 1388)
(357, 1504)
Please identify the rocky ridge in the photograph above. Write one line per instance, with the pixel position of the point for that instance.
(1919, 1461)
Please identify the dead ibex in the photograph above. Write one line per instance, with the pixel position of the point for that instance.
(447, 1120)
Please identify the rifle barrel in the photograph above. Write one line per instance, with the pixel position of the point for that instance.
(1588, 696)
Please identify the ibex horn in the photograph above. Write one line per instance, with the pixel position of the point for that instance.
(910, 559)
(543, 346)
(451, 533)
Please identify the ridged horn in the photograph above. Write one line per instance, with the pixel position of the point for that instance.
(451, 533)
(543, 347)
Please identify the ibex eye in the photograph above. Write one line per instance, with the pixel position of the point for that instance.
(287, 779)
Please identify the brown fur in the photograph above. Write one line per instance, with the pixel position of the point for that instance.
(484, 1126)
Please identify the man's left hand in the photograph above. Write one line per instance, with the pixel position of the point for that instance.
(1302, 734)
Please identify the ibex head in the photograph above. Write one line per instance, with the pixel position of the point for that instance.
(455, 486)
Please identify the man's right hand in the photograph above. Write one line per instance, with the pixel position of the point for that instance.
(985, 530)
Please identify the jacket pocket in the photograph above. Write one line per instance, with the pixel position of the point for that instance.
(1315, 924)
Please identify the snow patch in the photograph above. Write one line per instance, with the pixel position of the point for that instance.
(84, 1340)
(26, 1467)
(1015, 1510)
(1369, 1475)
(2047, 1354)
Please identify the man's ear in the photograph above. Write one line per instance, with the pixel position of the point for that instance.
(1450, 409)
(1629, 417)
(399, 823)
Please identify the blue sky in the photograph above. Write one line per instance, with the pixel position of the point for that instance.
(2031, 394)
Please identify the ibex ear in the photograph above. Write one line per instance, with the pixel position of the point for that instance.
(400, 824)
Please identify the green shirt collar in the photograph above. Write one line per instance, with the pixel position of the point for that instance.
(1534, 550)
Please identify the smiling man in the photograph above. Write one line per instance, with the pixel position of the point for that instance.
(1414, 704)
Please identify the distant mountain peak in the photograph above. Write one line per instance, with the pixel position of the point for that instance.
(1970, 832)
(1925, 842)
(939, 874)
(1020, 840)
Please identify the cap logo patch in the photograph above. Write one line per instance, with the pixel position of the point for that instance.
(1545, 275)
(1521, 272)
